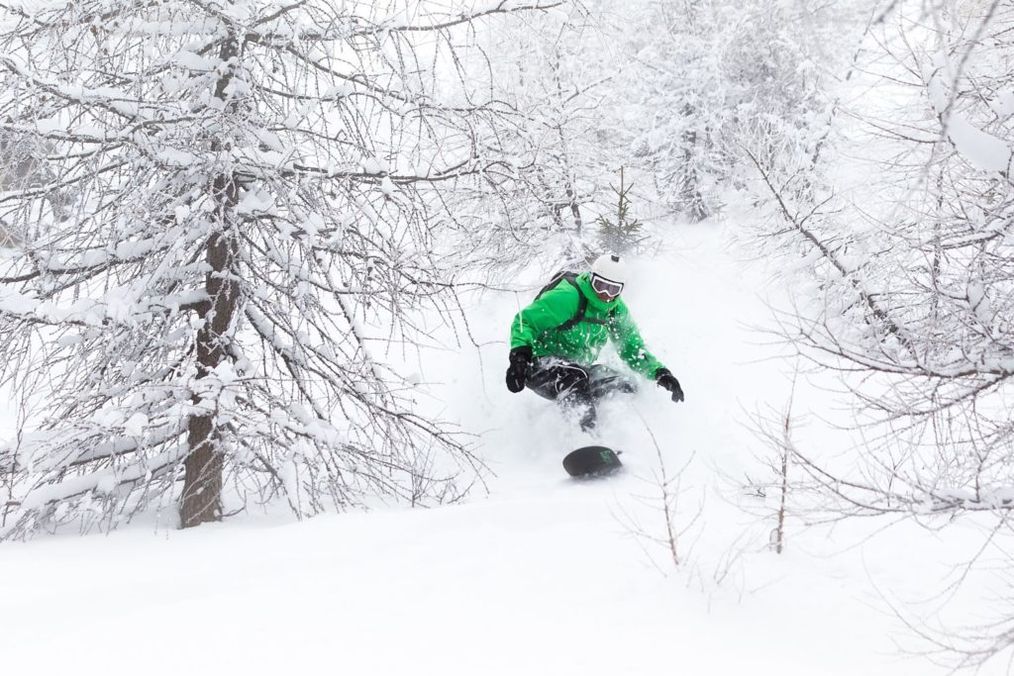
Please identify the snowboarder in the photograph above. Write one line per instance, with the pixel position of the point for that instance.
(557, 338)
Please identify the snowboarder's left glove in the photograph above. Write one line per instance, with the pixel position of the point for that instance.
(667, 380)
(517, 372)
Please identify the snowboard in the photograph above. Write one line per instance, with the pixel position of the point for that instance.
(592, 461)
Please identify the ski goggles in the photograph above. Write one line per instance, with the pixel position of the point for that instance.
(606, 287)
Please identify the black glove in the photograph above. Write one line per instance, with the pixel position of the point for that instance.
(667, 380)
(520, 358)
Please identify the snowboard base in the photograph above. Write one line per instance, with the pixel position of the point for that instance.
(592, 461)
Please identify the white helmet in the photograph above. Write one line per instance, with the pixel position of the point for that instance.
(609, 266)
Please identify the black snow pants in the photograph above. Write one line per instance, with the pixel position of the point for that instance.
(576, 386)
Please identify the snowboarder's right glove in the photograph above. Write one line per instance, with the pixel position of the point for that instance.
(667, 380)
(520, 358)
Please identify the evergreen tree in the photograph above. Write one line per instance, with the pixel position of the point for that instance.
(623, 234)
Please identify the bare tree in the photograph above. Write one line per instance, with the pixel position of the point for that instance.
(775, 429)
(667, 491)
(713, 78)
(557, 74)
(261, 190)
(922, 301)
(915, 274)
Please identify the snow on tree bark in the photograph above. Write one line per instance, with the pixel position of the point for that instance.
(202, 484)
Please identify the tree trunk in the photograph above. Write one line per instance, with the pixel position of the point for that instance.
(690, 198)
(202, 484)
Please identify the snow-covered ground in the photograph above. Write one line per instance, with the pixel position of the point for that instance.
(541, 575)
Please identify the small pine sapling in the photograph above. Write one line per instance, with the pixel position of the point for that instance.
(624, 233)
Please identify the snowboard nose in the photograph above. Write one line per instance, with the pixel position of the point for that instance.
(591, 461)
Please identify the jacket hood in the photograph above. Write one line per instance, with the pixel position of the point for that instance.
(584, 284)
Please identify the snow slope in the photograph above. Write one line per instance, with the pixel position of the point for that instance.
(541, 575)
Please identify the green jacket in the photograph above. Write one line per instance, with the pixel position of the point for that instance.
(536, 326)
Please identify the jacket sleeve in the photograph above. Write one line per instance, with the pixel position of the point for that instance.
(552, 309)
(630, 345)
